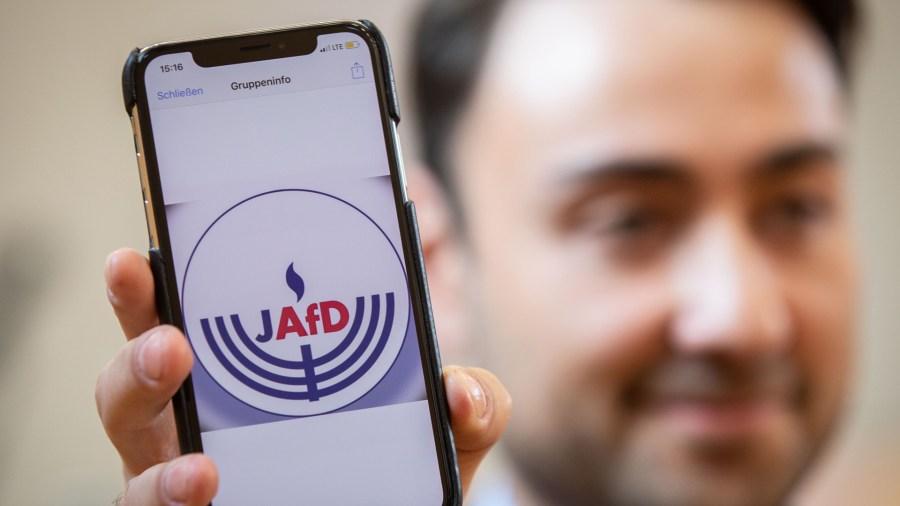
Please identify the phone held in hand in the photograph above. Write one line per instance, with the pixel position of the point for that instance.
(284, 245)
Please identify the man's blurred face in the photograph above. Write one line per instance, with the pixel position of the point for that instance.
(654, 207)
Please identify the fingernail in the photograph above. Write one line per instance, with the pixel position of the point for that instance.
(476, 394)
(111, 295)
(177, 481)
(150, 356)
(111, 260)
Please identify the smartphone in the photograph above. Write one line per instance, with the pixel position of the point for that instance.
(284, 245)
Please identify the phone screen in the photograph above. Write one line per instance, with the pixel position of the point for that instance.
(284, 232)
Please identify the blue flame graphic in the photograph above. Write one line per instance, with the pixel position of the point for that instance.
(294, 281)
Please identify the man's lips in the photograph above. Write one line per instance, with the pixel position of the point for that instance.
(720, 403)
(721, 419)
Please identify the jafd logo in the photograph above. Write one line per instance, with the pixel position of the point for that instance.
(326, 317)
(306, 313)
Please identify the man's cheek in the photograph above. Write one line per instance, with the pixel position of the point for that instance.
(599, 353)
(824, 356)
(824, 314)
(620, 330)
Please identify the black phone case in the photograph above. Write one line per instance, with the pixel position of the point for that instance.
(183, 400)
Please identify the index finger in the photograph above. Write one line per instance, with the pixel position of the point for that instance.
(130, 289)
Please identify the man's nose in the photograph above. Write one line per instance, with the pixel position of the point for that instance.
(727, 296)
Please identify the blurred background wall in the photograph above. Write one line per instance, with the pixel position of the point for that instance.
(69, 194)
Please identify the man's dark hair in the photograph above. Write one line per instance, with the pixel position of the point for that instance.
(452, 37)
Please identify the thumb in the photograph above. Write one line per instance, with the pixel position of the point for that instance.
(480, 407)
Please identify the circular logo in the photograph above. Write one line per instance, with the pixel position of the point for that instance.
(295, 302)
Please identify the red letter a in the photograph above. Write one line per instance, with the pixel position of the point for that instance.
(289, 323)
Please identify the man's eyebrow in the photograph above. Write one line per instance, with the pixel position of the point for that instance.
(790, 158)
(634, 169)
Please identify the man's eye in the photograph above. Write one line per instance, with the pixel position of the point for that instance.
(789, 216)
(630, 222)
(613, 217)
(800, 209)
(631, 231)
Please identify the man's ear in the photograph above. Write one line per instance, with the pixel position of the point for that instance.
(444, 261)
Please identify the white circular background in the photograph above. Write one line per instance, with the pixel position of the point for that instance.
(239, 266)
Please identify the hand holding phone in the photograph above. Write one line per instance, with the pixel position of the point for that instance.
(146, 439)
(283, 244)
